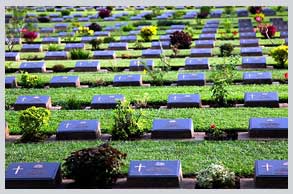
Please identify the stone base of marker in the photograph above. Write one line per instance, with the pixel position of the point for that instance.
(103, 106)
(139, 68)
(86, 69)
(130, 83)
(201, 55)
(183, 105)
(268, 134)
(258, 81)
(191, 83)
(152, 182)
(273, 104)
(171, 134)
(64, 84)
(56, 57)
(48, 105)
(12, 84)
(78, 135)
(35, 70)
(196, 67)
(271, 183)
(40, 49)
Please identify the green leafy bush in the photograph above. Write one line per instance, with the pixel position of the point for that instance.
(215, 176)
(178, 14)
(79, 54)
(127, 122)
(226, 50)
(228, 10)
(98, 166)
(65, 12)
(127, 28)
(109, 39)
(31, 121)
(142, 23)
(95, 27)
(204, 12)
(58, 68)
(72, 103)
(148, 32)
(171, 22)
(280, 55)
(29, 81)
(181, 40)
(95, 43)
(54, 47)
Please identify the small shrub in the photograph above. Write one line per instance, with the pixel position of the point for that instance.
(228, 10)
(79, 54)
(31, 121)
(127, 28)
(226, 50)
(29, 36)
(142, 23)
(182, 39)
(255, 9)
(215, 176)
(280, 55)
(268, 31)
(65, 12)
(138, 45)
(54, 47)
(148, 17)
(148, 32)
(95, 27)
(72, 103)
(204, 12)
(44, 19)
(109, 39)
(103, 13)
(170, 22)
(29, 81)
(97, 166)
(95, 43)
(214, 133)
(178, 14)
(109, 8)
(127, 122)
(58, 68)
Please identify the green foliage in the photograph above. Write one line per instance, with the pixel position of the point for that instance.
(65, 12)
(29, 81)
(79, 54)
(228, 25)
(72, 103)
(215, 176)
(54, 47)
(97, 166)
(109, 39)
(280, 55)
(128, 123)
(170, 22)
(148, 32)
(178, 14)
(31, 121)
(95, 43)
(138, 45)
(226, 50)
(228, 10)
(127, 28)
(141, 23)
(58, 68)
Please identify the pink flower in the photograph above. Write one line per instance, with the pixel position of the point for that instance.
(286, 75)
(235, 33)
(213, 126)
(258, 19)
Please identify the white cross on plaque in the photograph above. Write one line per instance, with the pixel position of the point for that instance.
(119, 78)
(175, 97)
(67, 125)
(285, 164)
(267, 166)
(139, 167)
(23, 99)
(251, 96)
(17, 169)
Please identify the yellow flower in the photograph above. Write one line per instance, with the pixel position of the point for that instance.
(144, 71)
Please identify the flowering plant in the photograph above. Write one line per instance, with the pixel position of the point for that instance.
(148, 32)
(29, 36)
(103, 13)
(280, 55)
(259, 17)
(84, 31)
(215, 176)
(286, 75)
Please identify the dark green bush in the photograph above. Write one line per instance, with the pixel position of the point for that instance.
(31, 121)
(65, 12)
(170, 22)
(127, 122)
(79, 54)
(204, 12)
(109, 39)
(226, 50)
(95, 27)
(127, 28)
(95, 43)
(58, 68)
(97, 166)
(142, 23)
(181, 40)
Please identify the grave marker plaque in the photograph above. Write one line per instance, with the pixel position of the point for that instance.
(204, 44)
(196, 52)
(206, 30)
(47, 30)
(151, 53)
(10, 82)
(87, 39)
(70, 46)
(154, 173)
(106, 101)
(33, 175)
(261, 99)
(268, 127)
(207, 37)
(31, 48)
(128, 80)
(254, 62)
(196, 63)
(139, 65)
(251, 51)
(104, 55)
(257, 78)
(56, 55)
(247, 35)
(118, 46)
(33, 67)
(183, 101)
(61, 26)
(249, 43)
(190, 79)
(84, 66)
(12, 56)
(271, 173)
(128, 38)
(50, 40)
(65, 81)
(172, 128)
(78, 129)
(24, 102)
(164, 44)
(99, 33)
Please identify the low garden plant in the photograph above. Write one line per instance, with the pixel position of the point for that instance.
(29, 81)
(148, 32)
(280, 55)
(79, 54)
(183, 40)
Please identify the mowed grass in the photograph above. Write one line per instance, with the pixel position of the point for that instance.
(224, 118)
(238, 156)
(92, 78)
(156, 94)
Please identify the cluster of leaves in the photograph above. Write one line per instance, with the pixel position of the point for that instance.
(127, 28)
(216, 176)
(142, 23)
(228, 10)
(204, 12)
(98, 166)
(95, 43)
(171, 22)
(65, 12)
(255, 9)
(31, 121)
(79, 54)
(128, 123)
(180, 39)
(95, 27)
(103, 13)
(58, 68)
(29, 81)
(280, 55)
(226, 50)
(148, 32)
(54, 47)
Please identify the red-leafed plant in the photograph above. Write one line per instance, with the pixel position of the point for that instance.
(268, 31)
(286, 75)
(103, 13)
(29, 36)
(181, 39)
(255, 9)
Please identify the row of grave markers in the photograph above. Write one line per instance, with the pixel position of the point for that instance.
(109, 101)
(141, 173)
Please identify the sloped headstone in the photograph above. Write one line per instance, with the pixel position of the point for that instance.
(183, 101)
(268, 127)
(128, 80)
(24, 102)
(65, 81)
(83, 66)
(189, 79)
(106, 101)
(261, 99)
(33, 67)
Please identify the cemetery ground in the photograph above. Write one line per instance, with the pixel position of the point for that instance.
(163, 98)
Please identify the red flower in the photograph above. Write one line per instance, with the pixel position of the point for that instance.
(269, 31)
(235, 33)
(213, 126)
(30, 36)
(23, 30)
(258, 19)
(286, 75)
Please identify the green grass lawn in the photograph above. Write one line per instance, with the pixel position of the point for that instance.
(238, 156)
(224, 118)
